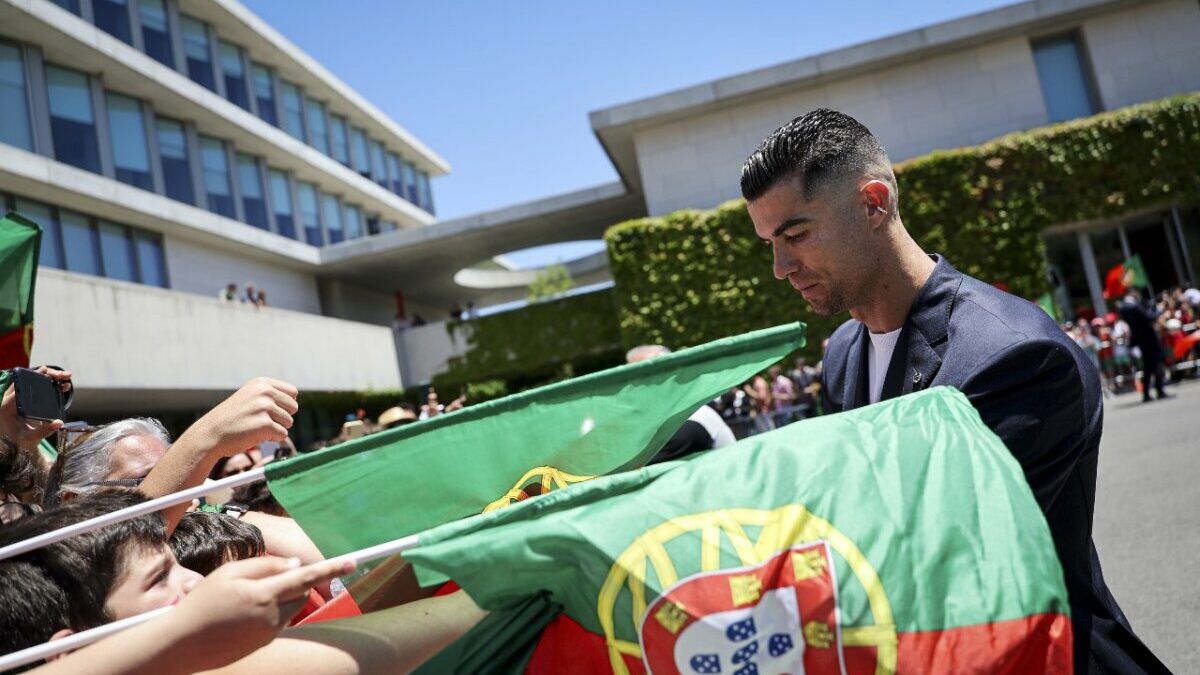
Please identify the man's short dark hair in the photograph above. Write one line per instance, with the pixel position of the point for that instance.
(32, 607)
(817, 146)
(202, 542)
(89, 565)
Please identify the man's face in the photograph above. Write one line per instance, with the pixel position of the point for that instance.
(134, 456)
(151, 579)
(821, 246)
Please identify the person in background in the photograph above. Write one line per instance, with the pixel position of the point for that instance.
(1142, 334)
(783, 395)
(119, 454)
(397, 416)
(759, 392)
(703, 430)
(431, 408)
(228, 294)
(260, 300)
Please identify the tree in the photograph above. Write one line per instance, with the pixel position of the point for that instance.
(550, 283)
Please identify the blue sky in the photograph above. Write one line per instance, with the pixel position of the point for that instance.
(502, 89)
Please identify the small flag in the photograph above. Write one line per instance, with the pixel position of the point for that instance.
(1129, 274)
(20, 239)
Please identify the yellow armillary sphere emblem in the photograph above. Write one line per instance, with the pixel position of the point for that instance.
(776, 612)
(536, 481)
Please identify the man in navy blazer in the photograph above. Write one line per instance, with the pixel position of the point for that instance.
(821, 193)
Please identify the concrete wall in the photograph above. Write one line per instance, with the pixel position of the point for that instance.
(131, 345)
(959, 98)
(1146, 52)
(350, 301)
(424, 351)
(194, 268)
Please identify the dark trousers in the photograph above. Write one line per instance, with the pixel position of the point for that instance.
(1152, 365)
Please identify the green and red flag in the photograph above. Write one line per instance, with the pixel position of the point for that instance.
(19, 242)
(1129, 274)
(396, 483)
(897, 538)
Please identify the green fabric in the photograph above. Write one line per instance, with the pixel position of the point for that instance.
(929, 495)
(19, 242)
(388, 485)
(1135, 273)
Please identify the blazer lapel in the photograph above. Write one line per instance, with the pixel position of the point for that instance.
(856, 371)
(928, 326)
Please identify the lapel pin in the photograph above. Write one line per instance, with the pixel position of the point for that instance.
(916, 377)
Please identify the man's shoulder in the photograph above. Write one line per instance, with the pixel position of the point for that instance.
(993, 320)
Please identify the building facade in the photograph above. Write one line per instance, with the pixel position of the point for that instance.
(169, 148)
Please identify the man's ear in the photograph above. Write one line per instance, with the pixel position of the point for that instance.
(58, 635)
(876, 197)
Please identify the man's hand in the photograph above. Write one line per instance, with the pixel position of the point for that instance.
(260, 411)
(24, 432)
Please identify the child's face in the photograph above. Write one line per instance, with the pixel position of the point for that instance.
(152, 579)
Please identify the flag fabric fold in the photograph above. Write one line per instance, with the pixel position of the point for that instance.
(20, 239)
(484, 457)
(901, 537)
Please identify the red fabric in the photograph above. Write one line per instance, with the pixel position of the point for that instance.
(340, 607)
(1182, 344)
(1114, 282)
(311, 605)
(14, 352)
(566, 647)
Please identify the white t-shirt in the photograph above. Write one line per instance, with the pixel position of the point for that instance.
(879, 355)
(716, 427)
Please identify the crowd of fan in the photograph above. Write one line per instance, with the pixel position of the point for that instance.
(1144, 342)
(238, 570)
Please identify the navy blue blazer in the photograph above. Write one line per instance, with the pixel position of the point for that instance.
(1039, 392)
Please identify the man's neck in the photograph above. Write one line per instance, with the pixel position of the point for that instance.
(903, 271)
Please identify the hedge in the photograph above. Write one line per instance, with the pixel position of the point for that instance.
(538, 343)
(693, 276)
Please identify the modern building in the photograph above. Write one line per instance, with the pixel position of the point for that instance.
(169, 148)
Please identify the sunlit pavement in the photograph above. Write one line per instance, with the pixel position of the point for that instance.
(1147, 524)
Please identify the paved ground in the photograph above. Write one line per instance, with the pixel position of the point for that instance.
(1147, 525)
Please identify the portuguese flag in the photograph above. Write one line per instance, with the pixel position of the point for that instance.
(901, 537)
(19, 242)
(1130, 273)
(482, 458)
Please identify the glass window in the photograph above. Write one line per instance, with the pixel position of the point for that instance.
(373, 223)
(72, 121)
(254, 204)
(156, 35)
(354, 222)
(410, 182)
(79, 244)
(378, 166)
(50, 254)
(1064, 85)
(173, 152)
(309, 216)
(395, 178)
(338, 142)
(152, 265)
(316, 126)
(234, 71)
(331, 211)
(216, 177)
(198, 52)
(264, 92)
(281, 204)
(131, 156)
(293, 111)
(71, 6)
(14, 114)
(424, 192)
(387, 226)
(112, 17)
(361, 162)
(116, 250)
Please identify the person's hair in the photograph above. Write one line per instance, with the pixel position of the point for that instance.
(20, 471)
(644, 352)
(91, 564)
(32, 607)
(257, 497)
(90, 460)
(818, 146)
(219, 467)
(203, 541)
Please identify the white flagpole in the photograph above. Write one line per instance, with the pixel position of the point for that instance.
(34, 543)
(87, 637)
